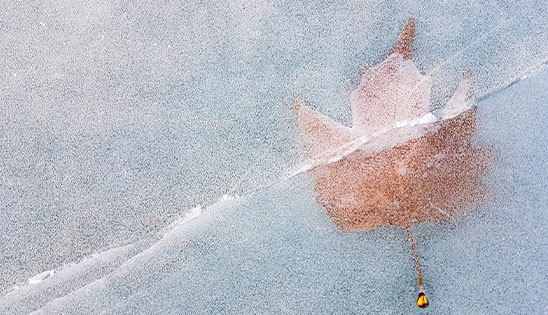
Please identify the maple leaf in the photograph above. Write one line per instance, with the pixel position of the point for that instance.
(398, 164)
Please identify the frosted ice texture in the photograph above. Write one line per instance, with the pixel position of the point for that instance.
(273, 252)
(118, 116)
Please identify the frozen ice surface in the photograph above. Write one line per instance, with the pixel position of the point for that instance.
(276, 251)
(116, 117)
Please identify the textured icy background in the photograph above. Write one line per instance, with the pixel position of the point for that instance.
(116, 117)
(276, 251)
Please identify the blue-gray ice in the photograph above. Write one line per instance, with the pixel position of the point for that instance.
(117, 117)
(276, 251)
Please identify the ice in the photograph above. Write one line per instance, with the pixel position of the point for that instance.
(40, 277)
(276, 250)
(120, 117)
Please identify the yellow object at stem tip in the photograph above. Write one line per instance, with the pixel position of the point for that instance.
(422, 301)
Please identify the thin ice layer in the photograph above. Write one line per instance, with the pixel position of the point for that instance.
(277, 253)
(430, 178)
(390, 92)
(116, 116)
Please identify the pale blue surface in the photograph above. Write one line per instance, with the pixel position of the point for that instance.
(118, 116)
(276, 251)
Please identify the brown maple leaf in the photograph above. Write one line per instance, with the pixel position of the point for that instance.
(397, 164)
